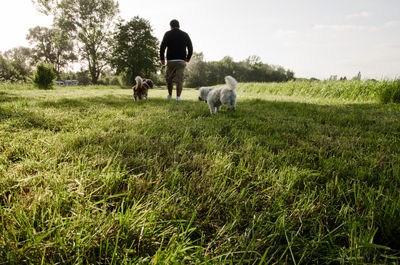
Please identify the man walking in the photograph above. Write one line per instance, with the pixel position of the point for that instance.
(179, 51)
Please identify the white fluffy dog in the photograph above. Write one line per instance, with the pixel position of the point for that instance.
(221, 95)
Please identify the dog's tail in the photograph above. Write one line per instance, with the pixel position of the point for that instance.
(139, 81)
(231, 82)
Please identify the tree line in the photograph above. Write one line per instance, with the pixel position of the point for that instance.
(112, 51)
(201, 73)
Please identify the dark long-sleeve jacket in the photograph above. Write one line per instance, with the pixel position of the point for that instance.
(176, 42)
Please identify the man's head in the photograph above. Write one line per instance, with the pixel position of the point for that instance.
(174, 24)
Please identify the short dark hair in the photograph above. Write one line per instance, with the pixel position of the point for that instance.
(174, 23)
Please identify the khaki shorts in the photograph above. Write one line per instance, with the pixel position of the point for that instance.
(175, 72)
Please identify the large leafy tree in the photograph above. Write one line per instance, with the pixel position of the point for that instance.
(46, 6)
(91, 23)
(196, 72)
(136, 49)
(52, 46)
(8, 71)
(21, 59)
(20, 54)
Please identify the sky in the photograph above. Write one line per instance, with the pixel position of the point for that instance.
(313, 38)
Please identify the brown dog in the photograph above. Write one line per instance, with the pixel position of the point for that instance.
(141, 88)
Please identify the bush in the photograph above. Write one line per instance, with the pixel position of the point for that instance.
(83, 77)
(115, 81)
(390, 92)
(106, 80)
(44, 76)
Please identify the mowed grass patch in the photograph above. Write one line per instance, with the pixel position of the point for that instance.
(90, 176)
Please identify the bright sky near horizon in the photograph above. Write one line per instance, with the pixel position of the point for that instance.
(313, 38)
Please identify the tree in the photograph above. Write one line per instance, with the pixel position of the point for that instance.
(45, 6)
(252, 69)
(52, 46)
(253, 61)
(196, 71)
(21, 59)
(136, 49)
(91, 23)
(22, 55)
(8, 72)
(289, 75)
(357, 77)
(227, 67)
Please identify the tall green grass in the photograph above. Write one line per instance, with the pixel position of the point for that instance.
(87, 176)
(390, 93)
(355, 90)
(15, 85)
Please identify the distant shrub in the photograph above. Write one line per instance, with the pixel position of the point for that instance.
(390, 92)
(83, 77)
(105, 80)
(115, 81)
(44, 76)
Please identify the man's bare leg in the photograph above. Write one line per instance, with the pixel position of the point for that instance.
(179, 88)
(170, 86)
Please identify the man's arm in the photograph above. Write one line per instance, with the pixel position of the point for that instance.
(162, 49)
(189, 48)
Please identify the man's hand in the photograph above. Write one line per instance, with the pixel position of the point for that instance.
(163, 62)
(187, 60)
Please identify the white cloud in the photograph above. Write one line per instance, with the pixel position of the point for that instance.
(392, 24)
(363, 14)
(391, 45)
(344, 27)
(285, 33)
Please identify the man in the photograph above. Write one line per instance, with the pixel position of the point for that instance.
(176, 42)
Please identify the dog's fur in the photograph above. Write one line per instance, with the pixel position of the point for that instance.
(141, 88)
(221, 95)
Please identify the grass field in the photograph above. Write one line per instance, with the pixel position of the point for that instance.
(87, 176)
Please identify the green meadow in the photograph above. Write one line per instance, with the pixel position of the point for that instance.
(300, 173)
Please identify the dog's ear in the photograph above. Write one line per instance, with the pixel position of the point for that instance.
(150, 83)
